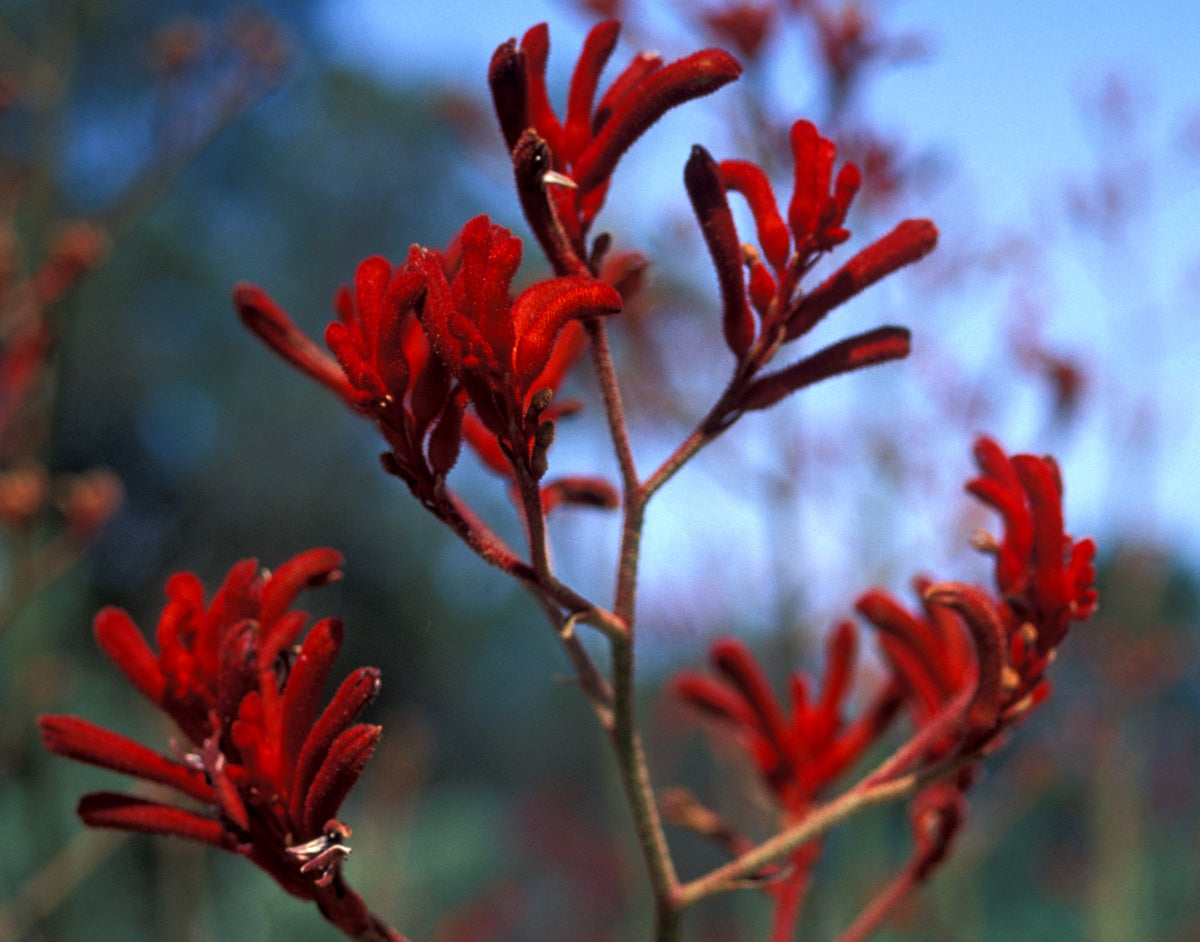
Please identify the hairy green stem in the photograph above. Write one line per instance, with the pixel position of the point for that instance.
(635, 774)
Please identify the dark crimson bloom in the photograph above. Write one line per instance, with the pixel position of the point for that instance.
(502, 350)
(763, 304)
(1044, 581)
(383, 366)
(582, 149)
(974, 662)
(265, 768)
(414, 343)
(798, 752)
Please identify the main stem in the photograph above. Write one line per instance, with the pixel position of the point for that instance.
(631, 757)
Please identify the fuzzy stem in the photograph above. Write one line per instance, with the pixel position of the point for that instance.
(867, 793)
(345, 909)
(635, 774)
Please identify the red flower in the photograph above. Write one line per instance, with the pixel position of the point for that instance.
(1044, 581)
(502, 350)
(383, 367)
(583, 148)
(974, 663)
(770, 308)
(1045, 578)
(798, 753)
(268, 768)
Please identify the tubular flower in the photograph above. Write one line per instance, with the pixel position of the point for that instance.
(582, 149)
(1044, 581)
(797, 753)
(503, 351)
(974, 663)
(762, 302)
(381, 366)
(266, 768)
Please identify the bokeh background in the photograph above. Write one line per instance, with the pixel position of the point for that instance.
(1058, 148)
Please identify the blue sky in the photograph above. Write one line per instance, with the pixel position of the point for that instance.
(999, 93)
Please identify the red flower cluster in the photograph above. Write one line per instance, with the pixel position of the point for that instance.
(762, 303)
(967, 669)
(580, 152)
(268, 768)
(800, 752)
(797, 752)
(1044, 581)
(415, 342)
(500, 349)
(974, 664)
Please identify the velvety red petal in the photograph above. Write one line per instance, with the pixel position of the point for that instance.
(305, 685)
(542, 310)
(714, 699)
(854, 353)
(991, 641)
(911, 240)
(314, 567)
(808, 197)
(126, 647)
(623, 85)
(706, 191)
(841, 649)
(910, 648)
(78, 739)
(371, 279)
(112, 810)
(506, 79)
(749, 180)
(737, 665)
(694, 76)
(338, 773)
(598, 46)
(352, 696)
(268, 321)
(535, 44)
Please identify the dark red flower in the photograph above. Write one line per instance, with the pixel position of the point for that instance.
(503, 351)
(974, 662)
(266, 768)
(584, 147)
(763, 304)
(1000, 643)
(798, 752)
(383, 367)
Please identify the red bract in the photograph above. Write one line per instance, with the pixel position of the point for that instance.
(762, 302)
(583, 149)
(502, 350)
(268, 768)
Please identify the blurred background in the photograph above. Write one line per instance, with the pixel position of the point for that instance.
(150, 157)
